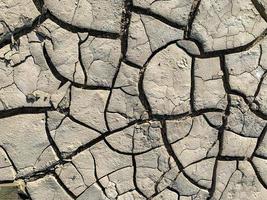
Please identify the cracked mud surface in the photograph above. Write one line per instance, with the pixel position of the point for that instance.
(133, 99)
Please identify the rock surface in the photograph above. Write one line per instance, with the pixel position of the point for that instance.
(133, 99)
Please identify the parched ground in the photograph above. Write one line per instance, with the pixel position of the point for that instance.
(133, 99)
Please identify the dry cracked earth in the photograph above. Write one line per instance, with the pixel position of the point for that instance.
(133, 99)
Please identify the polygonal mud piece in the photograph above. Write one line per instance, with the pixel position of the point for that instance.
(94, 192)
(234, 24)
(100, 58)
(54, 119)
(46, 188)
(62, 51)
(125, 105)
(245, 66)
(189, 46)
(123, 179)
(6, 74)
(262, 148)
(7, 172)
(186, 188)
(242, 121)
(109, 188)
(26, 80)
(137, 138)
(71, 178)
(244, 184)
(201, 172)
(84, 163)
(209, 89)
(237, 146)
(167, 81)
(88, 106)
(173, 10)
(146, 35)
(17, 53)
(101, 15)
(70, 135)
(224, 172)
(215, 119)
(13, 191)
(178, 129)
(16, 15)
(24, 140)
(47, 159)
(166, 194)
(132, 195)
(199, 143)
(155, 168)
(261, 167)
(107, 160)
(25, 83)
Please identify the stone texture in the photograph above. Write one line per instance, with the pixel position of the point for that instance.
(235, 23)
(167, 81)
(175, 11)
(146, 35)
(25, 140)
(47, 188)
(91, 111)
(133, 100)
(101, 15)
(209, 90)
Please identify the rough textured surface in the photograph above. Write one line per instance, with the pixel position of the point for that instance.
(133, 99)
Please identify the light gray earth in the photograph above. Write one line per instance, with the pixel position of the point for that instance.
(133, 99)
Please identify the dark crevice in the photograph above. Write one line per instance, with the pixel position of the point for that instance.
(81, 61)
(100, 138)
(63, 79)
(143, 11)
(258, 174)
(63, 186)
(131, 64)
(260, 139)
(142, 95)
(135, 179)
(18, 32)
(260, 8)
(96, 176)
(51, 140)
(9, 158)
(173, 155)
(23, 110)
(192, 89)
(229, 90)
(186, 114)
(260, 84)
(191, 17)
(221, 130)
(125, 23)
(76, 29)
(233, 50)
(82, 124)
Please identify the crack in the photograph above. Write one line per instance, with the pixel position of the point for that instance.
(76, 29)
(143, 11)
(51, 140)
(63, 186)
(260, 8)
(191, 18)
(193, 85)
(18, 32)
(23, 110)
(126, 18)
(173, 155)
